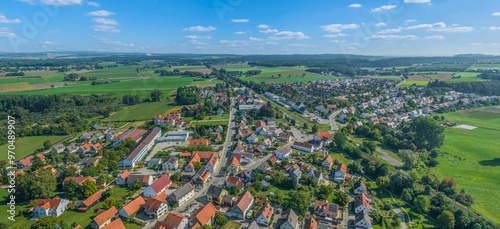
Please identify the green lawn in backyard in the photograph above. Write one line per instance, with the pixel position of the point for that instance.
(211, 123)
(20, 220)
(477, 167)
(232, 225)
(27, 145)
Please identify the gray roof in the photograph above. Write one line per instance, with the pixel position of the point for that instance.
(360, 184)
(291, 217)
(214, 191)
(172, 160)
(145, 140)
(362, 215)
(182, 191)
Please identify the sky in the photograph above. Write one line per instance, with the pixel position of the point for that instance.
(364, 27)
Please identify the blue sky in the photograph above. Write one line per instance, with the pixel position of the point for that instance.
(393, 27)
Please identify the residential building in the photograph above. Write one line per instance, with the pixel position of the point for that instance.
(304, 146)
(59, 148)
(49, 207)
(328, 211)
(215, 194)
(327, 162)
(156, 206)
(362, 203)
(91, 201)
(290, 220)
(360, 187)
(242, 205)
(104, 218)
(158, 186)
(132, 207)
(363, 220)
(140, 150)
(171, 164)
(182, 194)
(172, 221)
(264, 215)
(203, 216)
(284, 152)
(310, 222)
(234, 163)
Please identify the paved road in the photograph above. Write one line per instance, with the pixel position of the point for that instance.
(402, 82)
(401, 216)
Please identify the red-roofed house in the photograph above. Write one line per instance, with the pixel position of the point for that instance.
(327, 163)
(233, 181)
(212, 163)
(104, 218)
(197, 142)
(132, 207)
(241, 207)
(78, 180)
(203, 216)
(158, 186)
(172, 221)
(92, 201)
(341, 172)
(264, 215)
(49, 207)
(117, 224)
(234, 163)
(156, 206)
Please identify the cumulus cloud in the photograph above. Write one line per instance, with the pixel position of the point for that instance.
(105, 28)
(114, 43)
(62, 2)
(100, 13)
(264, 26)
(493, 28)
(335, 35)
(355, 5)
(393, 37)
(93, 4)
(386, 31)
(495, 14)
(382, 8)
(288, 35)
(5, 20)
(240, 20)
(240, 32)
(380, 24)
(199, 28)
(269, 31)
(335, 28)
(6, 32)
(433, 38)
(197, 37)
(301, 45)
(255, 39)
(410, 20)
(442, 27)
(417, 1)
(105, 21)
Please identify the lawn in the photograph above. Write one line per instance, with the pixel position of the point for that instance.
(473, 158)
(206, 82)
(292, 79)
(142, 112)
(20, 220)
(211, 117)
(210, 123)
(410, 83)
(232, 225)
(140, 87)
(27, 145)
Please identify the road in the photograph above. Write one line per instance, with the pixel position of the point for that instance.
(385, 155)
(401, 216)
(402, 82)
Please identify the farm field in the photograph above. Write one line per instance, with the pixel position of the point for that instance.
(141, 112)
(27, 145)
(206, 82)
(410, 83)
(472, 158)
(189, 67)
(285, 72)
(292, 79)
(485, 66)
(388, 77)
(140, 87)
(16, 87)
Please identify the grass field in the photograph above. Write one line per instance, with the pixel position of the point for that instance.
(27, 145)
(142, 112)
(189, 67)
(140, 87)
(485, 66)
(389, 77)
(16, 87)
(285, 72)
(410, 83)
(292, 79)
(206, 82)
(473, 159)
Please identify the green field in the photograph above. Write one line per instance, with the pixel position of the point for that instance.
(189, 67)
(476, 166)
(389, 77)
(410, 83)
(292, 79)
(27, 145)
(140, 87)
(142, 112)
(206, 82)
(485, 66)
(285, 72)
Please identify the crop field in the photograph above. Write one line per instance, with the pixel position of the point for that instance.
(231, 66)
(485, 66)
(473, 159)
(142, 112)
(206, 82)
(140, 87)
(292, 79)
(120, 71)
(285, 72)
(388, 77)
(410, 83)
(16, 87)
(189, 67)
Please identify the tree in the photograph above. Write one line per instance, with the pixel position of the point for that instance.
(407, 195)
(299, 201)
(47, 144)
(343, 199)
(382, 182)
(409, 158)
(220, 219)
(422, 203)
(47, 222)
(137, 184)
(428, 133)
(156, 95)
(89, 187)
(108, 203)
(90, 171)
(315, 128)
(340, 139)
(305, 126)
(446, 220)
(70, 187)
(37, 186)
(176, 176)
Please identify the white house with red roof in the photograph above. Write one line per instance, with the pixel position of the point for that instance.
(49, 207)
(157, 186)
(264, 216)
(213, 162)
(284, 152)
(327, 162)
(234, 163)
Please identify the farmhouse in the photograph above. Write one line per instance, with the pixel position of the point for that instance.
(49, 207)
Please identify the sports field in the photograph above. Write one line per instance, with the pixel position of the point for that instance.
(473, 158)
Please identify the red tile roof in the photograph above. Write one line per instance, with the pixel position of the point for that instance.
(91, 200)
(329, 160)
(105, 216)
(244, 201)
(173, 220)
(47, 203)
(205, 213)
(310, 223)
(134, 205)
(267, 211)
(117, 224)
(342, 168)
(195, 142)
(125, 174)
(78, 180)
(324, 136)
(161, 184)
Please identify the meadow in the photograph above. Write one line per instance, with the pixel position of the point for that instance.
(27, 145)
(292, 79)
(141, 112)
(485, 66)
(410, 83)
(471, 157)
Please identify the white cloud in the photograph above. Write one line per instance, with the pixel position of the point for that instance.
(197, 37)
(240, 32)
(393, 37)
(301, 45)
(100, 13)
(6, 32)
(199, 29)
(5, 20)
(410, 20)
(288, 35)
(255, 39)
(240, 20)
(272, 43)
(49, 45)
(433, 38)
(105, 21)
(105, 28)
(235, 43)
(386, 31)
(493, 28)
(355, 5)
(264, 26)
(495, 14)
(269, 31)
(62, 2)
(382, 8)
(335, 35)
(417, 1)
(93, 4)
(335, 28)
(110, 42)
(483, 44)
(442, 27)
(381, 24)
(196, 42)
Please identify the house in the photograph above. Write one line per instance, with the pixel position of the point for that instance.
(122, 178)
(362, 203)
(234, 163)
(364, 105)
(252, 138)
(72, 148)
(92, 201)
(264, 215)
(360, 187)
(104, 218)
(217, 137)
(219, 129)
(242, 205)
(228, 200)
(318, 175)
(98, 136)
(267, 143)
(285, 137)
(85, 148)
(95, 148)
(117, 224)
(259, 126)
(220, 112)
(182, 194)
(59, 148)
(304, 146)
(239, 148)
(110, 135)
(284, 152)
(197, 142)
(49, 207)
(296, 173)
(156, 206)
(78, 180)
(171, 164)
(271, 121)
(201, 177)
(263, 167)
(341, 172)
(212, 163)
(331, 107)
(324, 137)
(327, 162)
(309, 222)
(85, 136)
(158, 186)
(172, 221)
(290, 220)
(363, 220)
(253, 225)
(146, 180)
(326, 210)
(88, 161)
(233, 181)
(140, 149)
(203, 216)
(132, 207)
(215, 194)
(364, 116)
